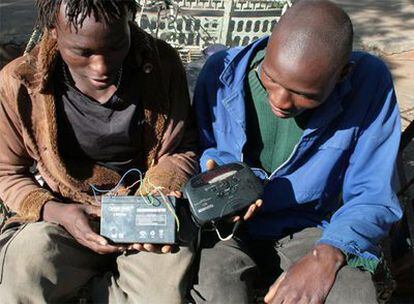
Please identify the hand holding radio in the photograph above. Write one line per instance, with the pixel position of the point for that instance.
(252, 209)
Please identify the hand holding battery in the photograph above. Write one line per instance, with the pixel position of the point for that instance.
(251, 210)
(76, 220)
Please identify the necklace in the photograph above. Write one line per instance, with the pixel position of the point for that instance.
(67, 79)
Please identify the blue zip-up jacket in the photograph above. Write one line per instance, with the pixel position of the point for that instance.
(339, 176)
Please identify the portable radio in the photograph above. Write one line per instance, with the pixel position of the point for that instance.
(222, 192)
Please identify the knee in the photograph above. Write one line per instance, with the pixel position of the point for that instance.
(29, 252)
(227, 262)
(226, 275)
(353, 286)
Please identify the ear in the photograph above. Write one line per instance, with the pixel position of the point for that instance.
(53, 31)
(346, 70)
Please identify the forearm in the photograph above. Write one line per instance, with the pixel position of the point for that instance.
(178, 161)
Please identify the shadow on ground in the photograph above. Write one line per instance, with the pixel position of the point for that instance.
(382, 24)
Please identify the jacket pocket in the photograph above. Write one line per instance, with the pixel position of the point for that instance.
(5, 240)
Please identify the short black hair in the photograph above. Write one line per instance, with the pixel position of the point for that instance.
(77, 10)
(323, 22)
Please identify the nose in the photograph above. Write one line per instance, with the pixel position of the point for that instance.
(99, 66)
(281, 99)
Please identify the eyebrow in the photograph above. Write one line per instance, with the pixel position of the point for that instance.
(306, 94)
(117, 42)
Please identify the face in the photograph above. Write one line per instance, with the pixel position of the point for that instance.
(94, 54)
(295, 83)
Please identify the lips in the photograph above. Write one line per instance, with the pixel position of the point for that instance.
(101, 80)
(100, 83)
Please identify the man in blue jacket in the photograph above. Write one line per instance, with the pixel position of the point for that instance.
(320, 125)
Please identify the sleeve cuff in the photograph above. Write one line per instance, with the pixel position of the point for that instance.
(361, 263)
(354, 258)
(31, 207)
(170, 181)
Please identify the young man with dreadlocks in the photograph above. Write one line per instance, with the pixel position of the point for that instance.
(96, 97)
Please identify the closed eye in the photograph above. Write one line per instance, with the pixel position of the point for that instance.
(83, 52)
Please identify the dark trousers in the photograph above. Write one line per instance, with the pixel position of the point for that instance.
(231, 271)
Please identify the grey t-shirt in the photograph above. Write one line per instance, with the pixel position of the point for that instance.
(108, 133)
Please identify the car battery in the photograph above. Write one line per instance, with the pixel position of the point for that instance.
(138, 219)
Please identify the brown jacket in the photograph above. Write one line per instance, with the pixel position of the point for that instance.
(28, 129)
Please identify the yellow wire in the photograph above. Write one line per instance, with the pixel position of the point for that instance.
(150, 197)
(159, 188)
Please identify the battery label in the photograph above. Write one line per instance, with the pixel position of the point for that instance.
(150, 219)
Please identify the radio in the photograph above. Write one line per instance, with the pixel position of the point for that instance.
(138, 219)
(222, 192)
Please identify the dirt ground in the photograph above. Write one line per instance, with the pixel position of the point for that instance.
(386, 28)
(402, 66)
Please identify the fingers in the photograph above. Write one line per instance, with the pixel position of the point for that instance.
(235, 219)
(96, 238)
(252, 209)
(96, 242)
(99, 244)
(306, 300)
(166, 249)
(87, 237)
(177, 194)
(137, 247)
(107, 249)
(249, 213)
(274, 288)
(151, 248)
(211, 164)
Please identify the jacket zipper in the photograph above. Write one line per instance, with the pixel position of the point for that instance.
(282, 165)
(286, 161)
(291, 155)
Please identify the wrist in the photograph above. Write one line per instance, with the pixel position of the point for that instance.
(52, 211)
(329, 254)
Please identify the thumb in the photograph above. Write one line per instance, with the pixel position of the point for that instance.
(211, 164)
(93, 210)
(273, 289)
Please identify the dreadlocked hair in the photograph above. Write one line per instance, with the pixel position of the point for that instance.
(77, 10)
